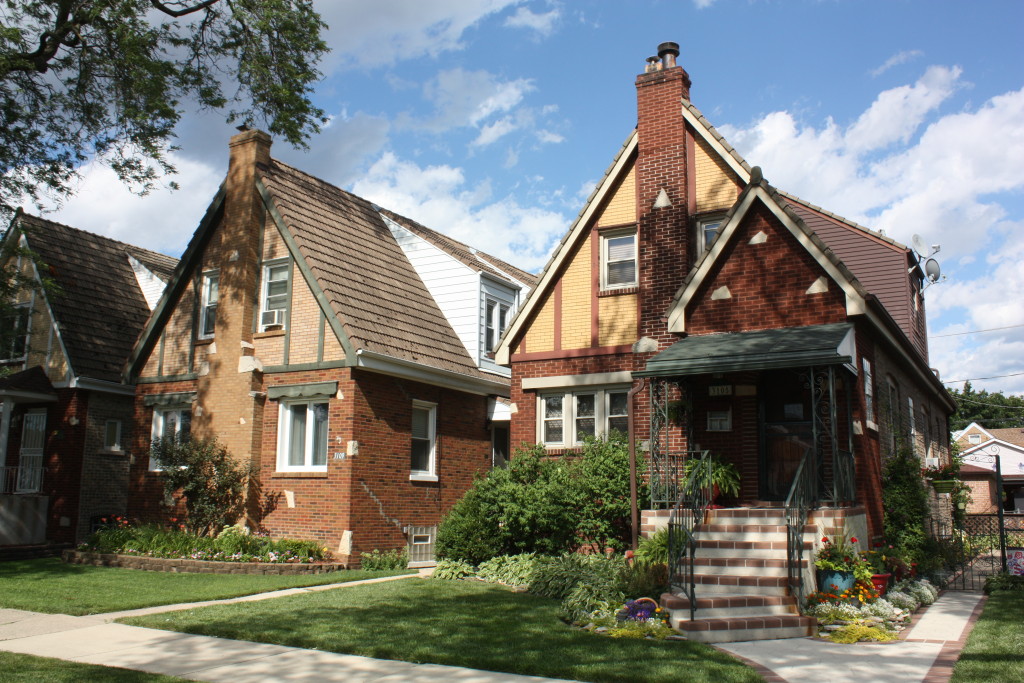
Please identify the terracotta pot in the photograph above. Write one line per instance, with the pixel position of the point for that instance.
(881, 583)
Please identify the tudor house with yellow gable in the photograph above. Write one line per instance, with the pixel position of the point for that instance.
(732, 320)
(343, 349)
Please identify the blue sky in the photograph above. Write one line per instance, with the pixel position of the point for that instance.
(491, 120)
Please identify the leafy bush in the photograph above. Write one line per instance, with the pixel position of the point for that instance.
(452, 570)
(510, 570)
(211, 482)
(378, 560)
(601, 489)
(556, 577)
(232, 545)
(588, 603)
(1004, 582)
(653, 549)
(905, 501)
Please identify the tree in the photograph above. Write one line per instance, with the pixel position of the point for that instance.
(992, 410)
(110, 79)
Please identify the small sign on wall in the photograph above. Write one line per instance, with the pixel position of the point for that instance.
(720, 390)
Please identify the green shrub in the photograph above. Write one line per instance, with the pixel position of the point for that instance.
(510, 570)
(1004, 582)
(452, 570)
(905, 501)
(601, 488)
(653, 549)
(556, 577)
(469, 532)
(378, 560)
(642, 580)
(588, 603)
(202, 473)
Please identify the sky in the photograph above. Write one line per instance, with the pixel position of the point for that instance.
(492, 120)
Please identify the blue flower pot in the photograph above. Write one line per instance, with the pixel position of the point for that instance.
(827, 578)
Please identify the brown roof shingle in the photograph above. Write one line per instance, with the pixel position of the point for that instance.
(100, 308)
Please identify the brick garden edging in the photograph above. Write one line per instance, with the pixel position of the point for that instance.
(168, 564)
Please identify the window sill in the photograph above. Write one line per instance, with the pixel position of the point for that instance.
(269, 334)
(112, 451)
(320, 474)
(422, 477)
(204, 341)
(563, 450)
(621, 291)
(871, 425)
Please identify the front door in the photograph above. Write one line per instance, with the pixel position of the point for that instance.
(30, 460)
(787, 432)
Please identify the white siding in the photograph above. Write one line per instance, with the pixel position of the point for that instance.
(502, 293)
(152, 287)
(454, 286)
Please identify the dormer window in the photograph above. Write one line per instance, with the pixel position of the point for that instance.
(974, 438)
(708, 228)
(496, 317)
(618, 259)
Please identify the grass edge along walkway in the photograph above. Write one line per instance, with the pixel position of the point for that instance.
(465, 624)
(50, 586)
(20, 667)
(993, 649)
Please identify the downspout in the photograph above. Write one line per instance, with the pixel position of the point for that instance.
(634, 507)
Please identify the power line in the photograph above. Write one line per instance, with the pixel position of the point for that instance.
(973, 379)
(957, 334)
(983, 403)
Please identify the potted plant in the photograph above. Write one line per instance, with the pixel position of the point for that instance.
(876, 562)
(839, 564)
(944, 479)
(711, 473)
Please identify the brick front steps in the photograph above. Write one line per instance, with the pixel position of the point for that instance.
(32, 552)
(165, 564)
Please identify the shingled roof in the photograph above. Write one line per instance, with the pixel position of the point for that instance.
(380, 300)
(100, 308)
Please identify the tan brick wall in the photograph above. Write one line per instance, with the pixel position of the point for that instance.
(541, 336)
(617, 320)
(332, 346)
(621, 208)
(177, 338)
(304, 326)
(577, 287)
(273, 244)
(43, 345)
(717, 186)
(269, 347)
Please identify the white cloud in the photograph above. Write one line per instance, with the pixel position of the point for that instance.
(441, 198)
(493, 132)
(897, 59)
(543, 24)
(906, 168)
(549, 138)
(702, 4)
(467, 98)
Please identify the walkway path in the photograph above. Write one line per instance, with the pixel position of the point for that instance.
(926, 653)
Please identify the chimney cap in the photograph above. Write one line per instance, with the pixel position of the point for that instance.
(668, 48)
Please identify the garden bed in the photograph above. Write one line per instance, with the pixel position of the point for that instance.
(170, 564)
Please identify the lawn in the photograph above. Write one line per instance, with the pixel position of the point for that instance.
(16, 667)
(49, 585)
(993, 650)
(469, 624)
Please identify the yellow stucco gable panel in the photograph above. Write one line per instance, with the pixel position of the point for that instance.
(617, 320)
(541, 335)
(577, 284)
(716, 185)
(621, 208)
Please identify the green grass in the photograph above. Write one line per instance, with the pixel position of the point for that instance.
(993, 650)
(469, 624)
(49, 585)
(16, 667)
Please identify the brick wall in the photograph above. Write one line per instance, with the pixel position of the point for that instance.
(104, 485)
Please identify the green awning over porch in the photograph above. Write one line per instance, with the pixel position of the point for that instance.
(787, 347)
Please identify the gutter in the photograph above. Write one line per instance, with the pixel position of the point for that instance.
(388, 365)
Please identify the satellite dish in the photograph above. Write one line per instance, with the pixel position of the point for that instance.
(919, 246)
(932, 270)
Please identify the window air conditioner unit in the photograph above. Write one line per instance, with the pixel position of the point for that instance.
(931, 462)
(272, 318)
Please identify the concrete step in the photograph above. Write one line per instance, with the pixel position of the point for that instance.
(726, 607)
(746, 628)
(714, 585)
(744, 535)
(741, 566)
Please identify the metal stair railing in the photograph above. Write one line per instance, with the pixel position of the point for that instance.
(687, 515)
(803, 496)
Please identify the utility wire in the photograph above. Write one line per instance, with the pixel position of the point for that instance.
(957, 334)
(973, 379)
(983, 403)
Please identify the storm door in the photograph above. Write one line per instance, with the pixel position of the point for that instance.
(787, 431)
(30, 460)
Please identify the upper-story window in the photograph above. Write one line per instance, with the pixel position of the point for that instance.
(708, 228)
(274, 295)
(618, 259)
(496, 316)
(14, 342)
(974, 438)
(869, 392)
(208, 304)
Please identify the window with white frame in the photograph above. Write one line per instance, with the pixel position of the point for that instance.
(567, 418)
(911, 417)
(974, 438)
(869, 392)
(208, 304)
(423, 460)
(14, 342)
(618, 259)
(171, 422)
(708, 228)
(274, 294)
(302, 436)
(112, 436)
(496, 317)
(720, 420)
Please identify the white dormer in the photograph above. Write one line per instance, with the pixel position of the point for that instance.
(152, 286)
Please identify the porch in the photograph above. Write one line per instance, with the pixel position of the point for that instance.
(776, 405)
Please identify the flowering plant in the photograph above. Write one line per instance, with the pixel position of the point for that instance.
(875, 560)
(840, 554)
(641, 609)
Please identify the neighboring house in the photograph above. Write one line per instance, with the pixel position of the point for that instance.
(67, 416)
(727, 316)
(339, 347)
(980, 450)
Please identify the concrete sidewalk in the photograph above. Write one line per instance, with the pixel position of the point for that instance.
(926, 652)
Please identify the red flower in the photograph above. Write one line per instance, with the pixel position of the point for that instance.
(824, 539)
(853, 540)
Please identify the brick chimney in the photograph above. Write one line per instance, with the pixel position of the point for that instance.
(663, 196)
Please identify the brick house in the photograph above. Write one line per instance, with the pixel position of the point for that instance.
(724, 315)
(979, 449)
(67, 415)
(343, 349)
